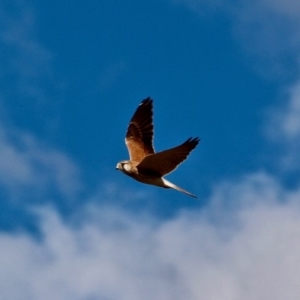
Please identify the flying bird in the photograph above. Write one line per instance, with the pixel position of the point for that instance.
(144, 164)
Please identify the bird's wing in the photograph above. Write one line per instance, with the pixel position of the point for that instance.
(162, 163)
(139, 136)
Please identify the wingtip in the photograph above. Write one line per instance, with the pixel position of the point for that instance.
(197, 140)
(194, 141)
(146, 101)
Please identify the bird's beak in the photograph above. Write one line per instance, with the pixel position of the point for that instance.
(117, 166)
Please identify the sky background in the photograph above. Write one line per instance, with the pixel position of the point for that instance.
(72, 74)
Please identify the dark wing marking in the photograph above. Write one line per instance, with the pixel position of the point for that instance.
(164, 162)
(139, 136)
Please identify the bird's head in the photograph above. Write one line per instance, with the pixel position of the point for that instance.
(123, 166)
(119, 166)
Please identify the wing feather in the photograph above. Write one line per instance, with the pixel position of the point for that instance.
(164, 162)
(139, 136)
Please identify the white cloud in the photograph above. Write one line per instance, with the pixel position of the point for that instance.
(269, 30)
(289, 116)
(250, 252)
(27, 164)
(283, 127)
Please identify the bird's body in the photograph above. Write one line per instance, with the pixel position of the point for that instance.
(145, 165)
(129, 168)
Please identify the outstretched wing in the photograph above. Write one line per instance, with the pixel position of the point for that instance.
(162, 163)
(139, 136)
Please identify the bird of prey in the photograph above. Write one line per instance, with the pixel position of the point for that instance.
(145, 165)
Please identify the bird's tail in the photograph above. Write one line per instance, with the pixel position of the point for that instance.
(168, 184)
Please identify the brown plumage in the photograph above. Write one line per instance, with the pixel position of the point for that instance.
(145, 165)
(139, 136)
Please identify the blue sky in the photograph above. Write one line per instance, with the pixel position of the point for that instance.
(72, 74)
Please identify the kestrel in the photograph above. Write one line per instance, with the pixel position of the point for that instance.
(145, 165)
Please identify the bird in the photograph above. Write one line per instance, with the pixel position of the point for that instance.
(144, 164)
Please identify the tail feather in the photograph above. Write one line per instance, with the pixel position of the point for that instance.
(168, 184)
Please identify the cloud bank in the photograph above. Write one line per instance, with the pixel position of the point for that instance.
(245, 245)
